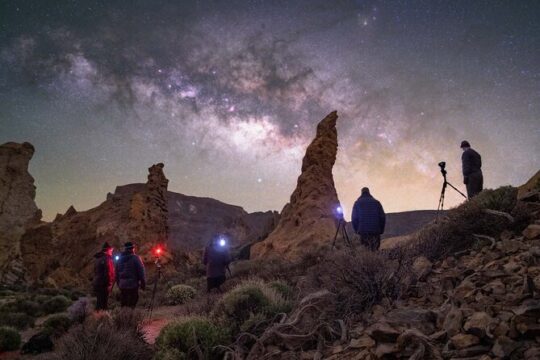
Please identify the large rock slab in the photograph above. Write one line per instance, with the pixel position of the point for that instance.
(17, 207)
(308, 220)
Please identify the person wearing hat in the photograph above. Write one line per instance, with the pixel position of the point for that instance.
(471, 162)
(130, 276)
(368, 220)
(103, 276)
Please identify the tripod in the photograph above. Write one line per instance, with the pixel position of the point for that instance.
(152, 299)
(342, 226)
(440, 207)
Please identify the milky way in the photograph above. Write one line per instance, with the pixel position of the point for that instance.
(228, 93)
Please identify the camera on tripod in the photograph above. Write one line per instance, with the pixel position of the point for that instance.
(442, 165)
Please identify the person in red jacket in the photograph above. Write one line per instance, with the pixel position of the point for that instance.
(103, 276)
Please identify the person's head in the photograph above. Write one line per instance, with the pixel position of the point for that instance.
(465, 145)
(365, 191)
(107, 249)
(129, 247)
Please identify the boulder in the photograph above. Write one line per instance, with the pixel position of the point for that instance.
(421, 267)
(461, 341)
(309, 219)
(504, 347)
(452, 321)
(532, 232)
(479, 324)
(382, 332)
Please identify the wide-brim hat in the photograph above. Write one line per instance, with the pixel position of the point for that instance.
(464, 144)
(106, 246)
(129, 245)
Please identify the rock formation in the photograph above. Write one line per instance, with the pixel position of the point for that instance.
(61, 252)
(530, 189)
(17, 207)
(308, 220)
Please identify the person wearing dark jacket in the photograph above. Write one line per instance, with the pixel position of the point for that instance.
(368, 220)
(103, 276)
(217, 259)
(472, 170)
(130, 276)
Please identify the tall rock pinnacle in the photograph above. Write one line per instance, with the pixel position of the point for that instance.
(308, 220)
(17, 207)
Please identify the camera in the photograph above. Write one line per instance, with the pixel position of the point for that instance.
(442, 165)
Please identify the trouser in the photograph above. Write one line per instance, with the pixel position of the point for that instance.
(371, 241)
(129, 297)
(102, 297)
(475, 184)
(214, 282)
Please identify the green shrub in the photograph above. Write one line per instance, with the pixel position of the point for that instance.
(501, 199)
(20, 321)
(255, 324)
(179, 340)
(26, 306)
(247, 299)
(58, 323)
(282, 288)
(179, 294)
(59, 303)
(9, 339)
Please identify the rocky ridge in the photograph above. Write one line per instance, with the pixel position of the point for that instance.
(309, 218)
(483, 303)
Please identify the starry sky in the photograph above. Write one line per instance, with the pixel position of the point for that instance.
(228, 94)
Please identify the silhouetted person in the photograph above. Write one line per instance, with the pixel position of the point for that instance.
(217, 259)
(472, 170)
(368, 220)
(130, 276)
(103, 276)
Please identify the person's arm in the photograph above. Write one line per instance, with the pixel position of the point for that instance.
(140, 273)
(466, 163)
(382, 218)
(117, 274)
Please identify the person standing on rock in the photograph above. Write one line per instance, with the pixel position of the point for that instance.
(130, 276)
(472, 169)
(217, 259)
(368, 220)
(103, 276)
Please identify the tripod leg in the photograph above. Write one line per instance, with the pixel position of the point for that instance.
(335, 236)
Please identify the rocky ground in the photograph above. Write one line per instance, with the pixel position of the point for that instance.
(481, 304)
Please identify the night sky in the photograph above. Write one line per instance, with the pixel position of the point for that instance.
(228, 93)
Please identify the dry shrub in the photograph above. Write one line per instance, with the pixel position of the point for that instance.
(103, 336)
(455, 231)
(179, 294)
(357, 279)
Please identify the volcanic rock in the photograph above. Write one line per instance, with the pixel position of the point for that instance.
(309, 219)
(530, 190)
(61, 252)
(17, 207)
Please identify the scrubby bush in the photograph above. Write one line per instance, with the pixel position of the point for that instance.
(17, 320)
(10, 339)
(282, 288)
(179, 294)
(247, 299)
(23, 305)
(100, 338)
(358, 280)
(501, 199)
(58, 323)
(191, 337)
(59, 303)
